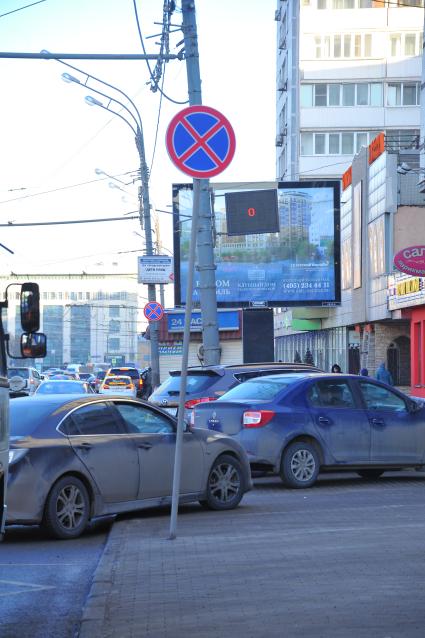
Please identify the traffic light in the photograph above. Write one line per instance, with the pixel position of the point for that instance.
(252, 212)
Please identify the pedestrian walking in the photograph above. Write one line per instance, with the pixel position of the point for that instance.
(336, 368)
(384, 375)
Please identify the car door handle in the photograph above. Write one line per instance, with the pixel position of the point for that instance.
(323, 420)
(84, 446)
(376, 421)
(145, 446)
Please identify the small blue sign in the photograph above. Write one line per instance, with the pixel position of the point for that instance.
(227, 320)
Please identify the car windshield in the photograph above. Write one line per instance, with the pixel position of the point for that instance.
(23, 421)
(265, 388)
(134, 374)
(195, 383)
(18, 372)
(61, 387)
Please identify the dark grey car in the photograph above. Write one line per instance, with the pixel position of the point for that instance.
(208, 383)
(76, 458)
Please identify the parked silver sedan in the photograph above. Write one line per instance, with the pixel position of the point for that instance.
(76, 458)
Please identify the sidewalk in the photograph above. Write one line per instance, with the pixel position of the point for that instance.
(326, 562)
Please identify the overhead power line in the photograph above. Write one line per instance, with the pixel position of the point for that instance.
(21, 8)
(62, 188)
(70, 221)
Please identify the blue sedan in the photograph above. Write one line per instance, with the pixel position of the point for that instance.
(299, 425)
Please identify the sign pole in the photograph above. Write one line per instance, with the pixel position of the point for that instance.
(206, 266)
(185, 358)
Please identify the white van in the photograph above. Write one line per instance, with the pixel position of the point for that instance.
(73, 367)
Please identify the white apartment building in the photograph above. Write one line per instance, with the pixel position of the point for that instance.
(86, 317)
(346, 70)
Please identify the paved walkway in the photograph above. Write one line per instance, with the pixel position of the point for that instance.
(343, 560)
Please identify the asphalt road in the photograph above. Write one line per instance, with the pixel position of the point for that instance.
(344, 559)
(44, 582)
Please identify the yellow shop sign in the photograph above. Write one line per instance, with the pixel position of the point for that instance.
(408, 286)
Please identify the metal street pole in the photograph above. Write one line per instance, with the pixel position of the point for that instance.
(206, 266)
(185, 358)
(145, 222)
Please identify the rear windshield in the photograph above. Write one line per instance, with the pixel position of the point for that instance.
(67, 387)
(195, 383)
(20, 422)
(117, 380)
(18, 372)
(134, 374)
(265, 388)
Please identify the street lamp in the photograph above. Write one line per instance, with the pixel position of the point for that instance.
(134, 121)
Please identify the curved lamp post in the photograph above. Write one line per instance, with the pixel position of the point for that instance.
(134, 121)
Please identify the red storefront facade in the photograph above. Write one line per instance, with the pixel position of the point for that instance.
(406, 299)
(417, 341)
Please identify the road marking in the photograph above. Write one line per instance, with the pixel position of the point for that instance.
(25, 587)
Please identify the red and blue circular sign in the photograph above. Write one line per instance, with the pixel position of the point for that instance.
(200, 141)
(153, 311)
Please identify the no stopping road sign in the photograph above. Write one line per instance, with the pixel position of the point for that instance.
(200, 141)
(153, 311)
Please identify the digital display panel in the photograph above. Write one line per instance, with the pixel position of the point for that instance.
(299, 265)
(252, 212)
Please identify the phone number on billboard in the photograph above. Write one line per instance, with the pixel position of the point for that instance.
(306, 284)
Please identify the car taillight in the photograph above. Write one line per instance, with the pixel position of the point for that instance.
(32, 381)
(257, 419)
(130, 386)
(192, 402)
(106, 386)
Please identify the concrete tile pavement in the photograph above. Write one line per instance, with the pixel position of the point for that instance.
(327, 562)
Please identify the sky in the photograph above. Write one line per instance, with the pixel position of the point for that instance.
(57, 152)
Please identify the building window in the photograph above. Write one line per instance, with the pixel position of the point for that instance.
(320, 95)
(346, 4)
(362, 98)
(403, 94)
(397, 139)
(347, 94)
(306, 95)
(405, 44)
(307, 144)
(319, 144)
(345, 45)
(335, 142)
(114, 311)
(114, 325)
(113, 344)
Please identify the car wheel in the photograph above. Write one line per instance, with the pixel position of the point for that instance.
(67, 508)
(300, 465)
(370, 474)
(225, 486)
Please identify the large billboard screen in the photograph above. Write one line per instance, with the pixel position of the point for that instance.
(298, 265)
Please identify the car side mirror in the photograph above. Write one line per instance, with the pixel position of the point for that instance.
(415, 406)
(33, 345)
(29, 307)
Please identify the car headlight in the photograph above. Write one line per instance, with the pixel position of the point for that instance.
(16, 454)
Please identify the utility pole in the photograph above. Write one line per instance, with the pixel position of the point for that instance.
(205, 254)
(145, 222)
